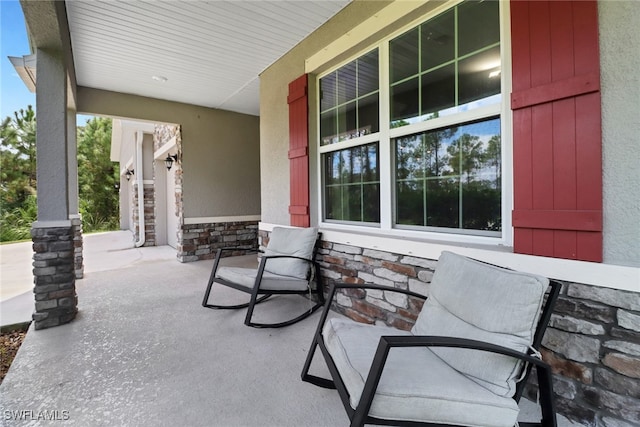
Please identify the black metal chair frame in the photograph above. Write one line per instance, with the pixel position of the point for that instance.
(360, 415)
(259, 295)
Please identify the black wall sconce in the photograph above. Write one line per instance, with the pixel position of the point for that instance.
(128, 174)
(168, 162)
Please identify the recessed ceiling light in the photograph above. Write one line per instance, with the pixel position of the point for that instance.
(161, 79)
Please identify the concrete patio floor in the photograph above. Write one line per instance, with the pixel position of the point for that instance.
(144, 352)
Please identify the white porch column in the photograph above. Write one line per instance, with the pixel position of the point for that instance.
(51, 143)
(53, 234)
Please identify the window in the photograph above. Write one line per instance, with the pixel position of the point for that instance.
(349, 110)
(349, 101)
(429, 159)
(352, 184)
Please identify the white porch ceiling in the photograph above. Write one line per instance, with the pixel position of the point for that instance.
(210, 52)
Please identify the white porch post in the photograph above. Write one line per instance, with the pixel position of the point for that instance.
(51, 142)
(53, 234)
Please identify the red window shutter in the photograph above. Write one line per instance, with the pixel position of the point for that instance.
(557, 148)
(299, 152)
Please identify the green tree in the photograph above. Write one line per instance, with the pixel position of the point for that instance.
(18, 206)
(18, 159)
(433, 142)
(97, 176)
(467, 155)
(493, 157)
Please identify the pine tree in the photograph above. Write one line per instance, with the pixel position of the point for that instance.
(97, 176)
(18, 159)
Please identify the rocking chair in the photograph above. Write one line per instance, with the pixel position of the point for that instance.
(464, 363)
(287, 266)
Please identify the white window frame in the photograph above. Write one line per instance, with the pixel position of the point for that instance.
(385, 161)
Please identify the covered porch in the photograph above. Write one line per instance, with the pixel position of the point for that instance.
(143, 351)
(593, 340)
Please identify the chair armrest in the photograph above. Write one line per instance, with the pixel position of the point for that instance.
(387, 342)
(219, 253)
(317, 336)
(267, 257)
(239, 248)
(337, 286)
(443, 341)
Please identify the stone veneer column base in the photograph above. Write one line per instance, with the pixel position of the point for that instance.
(54, 275)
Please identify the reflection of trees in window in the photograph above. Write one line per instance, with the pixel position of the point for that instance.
(423, 155)
(493, 158)
(465, 156)
(352, 190)
(450, 178)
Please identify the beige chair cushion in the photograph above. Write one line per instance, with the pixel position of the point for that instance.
(291, 241)
(247, 277)
(470, 299)
(416, 384)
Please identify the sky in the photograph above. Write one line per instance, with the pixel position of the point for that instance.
(13, 42)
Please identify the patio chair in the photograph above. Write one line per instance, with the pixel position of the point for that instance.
(287, 266)
(465, 362)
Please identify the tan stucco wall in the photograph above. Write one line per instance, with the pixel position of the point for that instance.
(620, 81)
(220, 149)
(620, 60)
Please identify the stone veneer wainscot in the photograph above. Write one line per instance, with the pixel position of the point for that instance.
(149, 213)
(201, 241)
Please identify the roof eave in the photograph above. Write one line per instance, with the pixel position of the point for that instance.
(25, 66)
